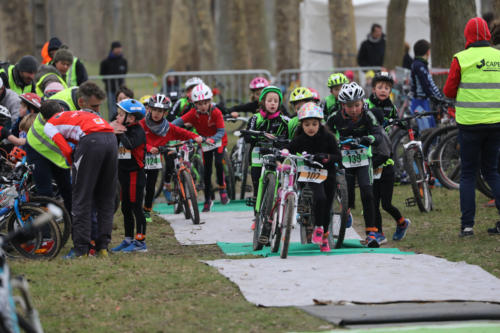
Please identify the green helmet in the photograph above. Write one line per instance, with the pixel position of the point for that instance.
(337, 79)
(300, 94)
(271, 89)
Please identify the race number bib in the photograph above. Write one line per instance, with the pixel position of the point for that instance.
(377, 173)
(152, 161)
(311, 175)
(207, 147)
(124, 153)
(354, 158)
(256, 157)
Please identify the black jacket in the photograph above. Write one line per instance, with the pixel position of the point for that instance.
(113, 65)
(367, 124)
(371, 53)
(134, 139)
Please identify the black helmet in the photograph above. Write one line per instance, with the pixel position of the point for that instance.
(382, 77)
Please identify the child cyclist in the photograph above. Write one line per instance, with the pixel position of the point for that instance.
(314, 138)
(184, 104)
(355, 120)
(158, 133)
(256, 85)
(30, 104)
(335, 82)
(131, 149)
(384, 176)
(208, 121)
(270, 120)
(298, 97)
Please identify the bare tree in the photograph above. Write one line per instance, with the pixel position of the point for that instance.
(258, 39)
(287, 34)
(343, 32)
(238, 34)
(182, 55)
(16, 25)
(394, 47)
(204, 30)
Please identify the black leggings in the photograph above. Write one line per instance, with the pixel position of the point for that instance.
(255, 174)
(364, 176)
(132, 184)
(382, 192)
(208, 158)
(151, 177)
(323, 199)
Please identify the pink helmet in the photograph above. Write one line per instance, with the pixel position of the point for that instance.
(258, 83)
(315, 94)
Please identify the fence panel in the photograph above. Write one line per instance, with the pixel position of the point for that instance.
(230, 86)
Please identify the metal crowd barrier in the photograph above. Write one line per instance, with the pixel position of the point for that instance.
(230, 86)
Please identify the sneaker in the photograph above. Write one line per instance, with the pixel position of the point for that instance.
(401, 229)
(207, 206)
(490, 203)
(325, 245)
(147, 215)
(371, 240)
(253, 224)
(72, 255)
(168, 195)
(265, 233)
(224, 199)
(92, 249)
(495, 230)
(466, 232)
(318, 236)
(124, 244)
(380, 238)
(349, 221)
(102, 253)
(136, 246)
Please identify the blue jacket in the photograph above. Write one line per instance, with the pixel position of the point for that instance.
(422, 84)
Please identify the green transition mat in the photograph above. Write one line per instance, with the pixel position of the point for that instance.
(233, 206)
(350, 246)
(452, 328)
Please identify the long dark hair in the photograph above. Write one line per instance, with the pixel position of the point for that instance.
(321, 131)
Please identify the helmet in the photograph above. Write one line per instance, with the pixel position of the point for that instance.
(258, 83)
(194, 81)
(382, 77)
(337, 79)
(351, 92)
(310, 110)
(201, 92)
(32, 100)
(16, 154)
(271, 89)
(133, 107)
(4, 113)
(300, 94)
(145, 99)
(160, 101)
(315, 94)
(52, 88)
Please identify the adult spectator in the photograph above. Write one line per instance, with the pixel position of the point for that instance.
(474, 81)
(20, 77)
(114, 64)
(407, 59)
(88, 96)
(372, 50)
(11, 101)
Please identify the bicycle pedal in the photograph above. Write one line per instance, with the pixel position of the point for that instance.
(410, 202)
(248, 188)
(303, 210)
(250, 202)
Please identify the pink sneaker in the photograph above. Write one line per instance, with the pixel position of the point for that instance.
(318, 235)
(253, 225)
(325, 245)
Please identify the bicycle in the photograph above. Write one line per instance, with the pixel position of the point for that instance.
(17, 311)
(240, 157)
(184, 194)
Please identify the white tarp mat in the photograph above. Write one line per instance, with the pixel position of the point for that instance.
(364, 278)
(232, 227)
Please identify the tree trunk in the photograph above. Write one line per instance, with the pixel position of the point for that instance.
(181, 54)
(395, 27)
(258, 39)
(238, 34)
(287, 34)
(447, 30)
(16, 26)
(343, 33)
(204, 30)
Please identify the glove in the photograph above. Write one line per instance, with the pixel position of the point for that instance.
(366, 140)
(322, 158)
(210, 141)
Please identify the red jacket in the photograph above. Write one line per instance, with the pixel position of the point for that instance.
(206, 124)
(173, 133)
(72, 126)
(475, 30)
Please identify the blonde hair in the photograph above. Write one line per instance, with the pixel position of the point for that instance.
(27, 122)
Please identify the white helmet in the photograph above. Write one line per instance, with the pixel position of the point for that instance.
(201, 92)
(351, 92)
(310, 110)
(191, 82)
(4, 112)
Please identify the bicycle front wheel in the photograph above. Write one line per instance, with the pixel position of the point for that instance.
(414, 165)
(244, 170)
(190, 200)
(42, 244)
(229, 176)
(264, 210)
(287, 223)
(64, 222)
(446, 165)
(338, 222)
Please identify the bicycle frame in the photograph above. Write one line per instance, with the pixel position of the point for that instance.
(263, 173)
(181, 163)
(288, 170)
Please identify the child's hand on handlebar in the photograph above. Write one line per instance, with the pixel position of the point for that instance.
(198, 139)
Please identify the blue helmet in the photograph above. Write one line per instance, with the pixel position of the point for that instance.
(133, 107)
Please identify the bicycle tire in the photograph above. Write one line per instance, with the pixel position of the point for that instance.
(434, 138)
(414, 166)
(160, 179)
(24, 324)
(64, 222)
(265, 208)
(180, 197)
(276, 229)
(398, 138)
(46, 242)
(190, 200)
(244, 170)
(233, 154)
(446, 158)
(197, 171)
(287, 224)
(338, 222)
(229, 176)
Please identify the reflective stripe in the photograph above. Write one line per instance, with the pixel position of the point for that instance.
(46, 143)
(479, 85)
(478, 105)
